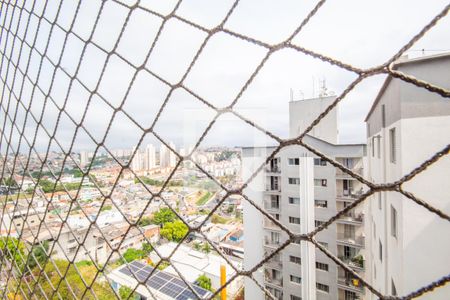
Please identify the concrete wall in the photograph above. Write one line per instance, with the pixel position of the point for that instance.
(302, 113)
(419, 254)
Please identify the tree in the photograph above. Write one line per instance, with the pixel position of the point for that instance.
(197, 246)
(174, 231)
(39, 255)
(206, 247)
(126, 293)
(13, 250)
(9, 182)
(216, 219)
(133, 254)
(102, 290)
(147, 248)
(144, 221)
(163, 216)
(204, 282)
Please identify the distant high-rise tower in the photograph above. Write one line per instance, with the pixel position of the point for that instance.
(172, 156)
(163, 156)
(84, 158)
(150, 157)
(136, 163)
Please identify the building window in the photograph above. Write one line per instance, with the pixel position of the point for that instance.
(349, 295)
(374, 230)
(393, 221)
(379, 201)
(320, 182)
(317, 223)
(293, 297)
(322, 266)
(277, 294)
(275, 201)
(276, 216)
(275, 238)
(374, 271)
(294, 180)
(394, 289)
(380, 250)
(323, 287)
(323, 244)
(373, 146)
(295, 259)
(321, 203)
(320, 162)
(392, 145)
(296, 279)
(294, 161)
(294, 200)
(378, 146)
(294, 220)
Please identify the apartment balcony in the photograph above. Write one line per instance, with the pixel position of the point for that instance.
(275, 263)
(271, 206)
(273, 188)
(343, 175)
(273, 280)
(273, 169)
(351, 218)
(356, 240)
(349, 284)
(268, 224)
(356, 262)
(268, 242)
(347, 195)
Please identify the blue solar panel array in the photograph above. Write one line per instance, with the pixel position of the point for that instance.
(165, 283)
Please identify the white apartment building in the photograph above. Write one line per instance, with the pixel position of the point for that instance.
(150, 157)
(409, 246)
(137, 163)
(84, 158)
(280, 190)
(144, 160)
(164, 156)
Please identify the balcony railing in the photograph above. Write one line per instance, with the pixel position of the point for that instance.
(354, 262)
(352, 217)
(273, 169)
(274, 280)
(347, 194)
(269, 224)
(273, 188)
(357, 170)
(269, 205)
(350, 284)
(275, 263)
(271, 243)
(356, 240)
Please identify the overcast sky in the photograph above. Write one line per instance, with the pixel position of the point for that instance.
(361, 33)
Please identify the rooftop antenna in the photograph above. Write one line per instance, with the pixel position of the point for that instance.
(323, 88)
(302, 95)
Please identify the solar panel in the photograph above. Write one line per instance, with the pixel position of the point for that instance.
(125, 271)
(171, 290)
(165, 276)
(186, 295)
(202, 292)
(178, 281)
(155, 284)
(166, 283)
(137, 264)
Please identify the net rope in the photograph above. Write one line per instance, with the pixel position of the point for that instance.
(15, 72)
